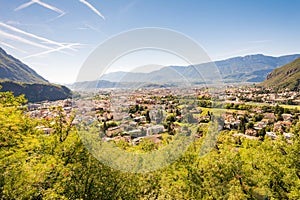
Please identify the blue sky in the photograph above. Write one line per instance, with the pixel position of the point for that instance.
(224, 28)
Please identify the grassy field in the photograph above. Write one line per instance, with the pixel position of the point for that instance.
(266, 104)
(290, 106)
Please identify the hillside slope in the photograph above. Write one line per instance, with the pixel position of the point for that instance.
(13, 69)
(36, 92)
(287, 76)
(18, 78)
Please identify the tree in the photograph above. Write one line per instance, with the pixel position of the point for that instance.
(249, 125)
(148, 118)
(191, 119)
(58, 166)
(242, 125)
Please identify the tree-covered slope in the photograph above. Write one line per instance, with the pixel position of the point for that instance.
(36, 92)
(287, 76)
(18, 78)
(13, 69)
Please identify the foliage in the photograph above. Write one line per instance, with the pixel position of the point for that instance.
(58, 166)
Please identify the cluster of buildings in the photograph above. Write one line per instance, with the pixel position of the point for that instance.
(261, 95)
(135, 115)
(130, 115)
(48, 111)
(247, 124)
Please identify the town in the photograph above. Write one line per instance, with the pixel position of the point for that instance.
(157, 114)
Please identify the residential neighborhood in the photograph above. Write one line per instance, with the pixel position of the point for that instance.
(136, 115)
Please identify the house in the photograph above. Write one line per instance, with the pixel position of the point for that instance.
(258, 110)
(136, 141)
(288, 136)
(154, 138)
(270, 117)
(135, 133)
(33, 106)
(155, 129)
(46, 130)
(132, 124)
(140, 119)
(67, 103)
(287, 117)
(68, 109)
(114, 130)
(260, 125)
(251, 132)
(245, 136)
(271, 135)
(120, 138)
(280, 126)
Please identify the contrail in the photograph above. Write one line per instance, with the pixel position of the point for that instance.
(92, 8)
(11, 46)
(32, 35)
(20, 39)
(55, 18)
(95, 29)
(51, 51)
(49, 7)
(25, 5)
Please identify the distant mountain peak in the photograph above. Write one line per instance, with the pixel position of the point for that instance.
(250, 68)
(255, 55)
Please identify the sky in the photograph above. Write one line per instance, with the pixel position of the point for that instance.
(55, 37)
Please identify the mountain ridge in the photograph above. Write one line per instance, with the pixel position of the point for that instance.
(250, 68)
(13, 69)
(19, 78)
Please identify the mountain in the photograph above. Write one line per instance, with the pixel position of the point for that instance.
(287, 76)
(108, 84)
(36, 92)
(252, 68)
(13, 69)
(17, 77)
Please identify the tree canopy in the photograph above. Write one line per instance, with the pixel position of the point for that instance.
(35, 165)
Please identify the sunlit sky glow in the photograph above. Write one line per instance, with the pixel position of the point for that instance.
(54, 37)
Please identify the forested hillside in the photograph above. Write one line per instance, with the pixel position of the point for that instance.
(36, 92)
(35, 165)
(19, 78)
(285, 77)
